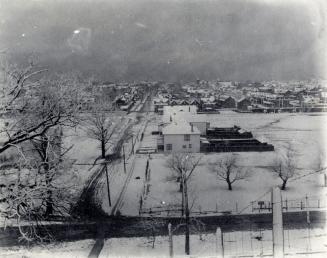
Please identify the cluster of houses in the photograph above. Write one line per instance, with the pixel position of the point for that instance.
(204, 104)
(210, 97)
(184, 130)
(118, 96)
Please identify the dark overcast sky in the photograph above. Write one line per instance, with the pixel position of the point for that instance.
(170, 40)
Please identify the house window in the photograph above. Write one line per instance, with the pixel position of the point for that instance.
(169, 146)
(187, 137)
(190, 146)
(184, 146)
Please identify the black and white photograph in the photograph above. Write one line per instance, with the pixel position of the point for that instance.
(163, 128)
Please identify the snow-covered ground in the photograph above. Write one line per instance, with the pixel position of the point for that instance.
(236, 244)
(305, 132)
(297, 243)
(118, 177)
(149, 140)
(78, 249)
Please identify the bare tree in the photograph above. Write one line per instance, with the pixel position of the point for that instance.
(102, 128)
(284, 165)
(226, 169)
(34, 105)
(36, 110)
(184, 164)
(25, 195)
(48, 153)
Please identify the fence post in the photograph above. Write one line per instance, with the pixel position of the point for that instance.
(307, 209)
(141, 204)
(278, 235)
(219, 243)
(170, 233)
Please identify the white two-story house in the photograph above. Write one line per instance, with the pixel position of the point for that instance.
(181, 137)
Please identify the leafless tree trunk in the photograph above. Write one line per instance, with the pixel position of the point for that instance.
(226, 169)
(184, 165)
(50, 154)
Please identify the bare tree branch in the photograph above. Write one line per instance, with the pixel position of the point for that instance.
(226, 169)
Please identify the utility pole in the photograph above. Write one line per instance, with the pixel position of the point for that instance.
(308, 223)
(219, 243)
(278, 233)
(133, 144)
(107, 176)
(187, 216)
(124, 159)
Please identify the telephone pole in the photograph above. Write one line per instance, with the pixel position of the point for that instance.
(107, 176)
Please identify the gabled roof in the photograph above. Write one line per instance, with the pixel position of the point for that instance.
(194, 101)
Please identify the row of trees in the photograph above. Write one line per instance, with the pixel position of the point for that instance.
(228, 169)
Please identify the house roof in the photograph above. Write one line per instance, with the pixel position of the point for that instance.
(182, 113)
(180, 128)
(243, 99)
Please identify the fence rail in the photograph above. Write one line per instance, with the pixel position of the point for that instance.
(259, 206)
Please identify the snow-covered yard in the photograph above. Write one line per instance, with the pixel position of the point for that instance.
(305, 132)
(86, 150)
(238, 243)
(78, 249)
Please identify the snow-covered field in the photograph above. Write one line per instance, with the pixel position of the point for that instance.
(305, 132)
(236, 244)
(78, 249)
